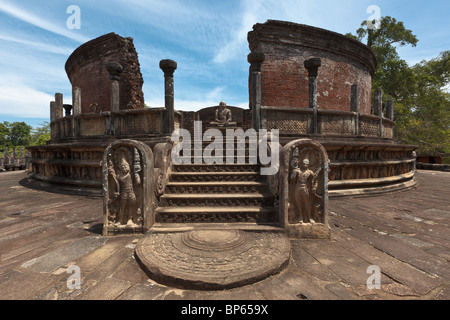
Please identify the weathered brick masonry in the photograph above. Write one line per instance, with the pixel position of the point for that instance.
(86, 70)
(284, 79)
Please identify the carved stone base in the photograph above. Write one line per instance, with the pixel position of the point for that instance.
(114, 231)
(308, 231)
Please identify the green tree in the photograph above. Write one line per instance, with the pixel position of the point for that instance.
(421, 100)
(393, 74)
(41, 134)
(4, 135)
(20, 134)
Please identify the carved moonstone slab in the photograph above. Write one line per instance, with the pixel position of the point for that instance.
(212, 259)
(304, 189)
(128, 184)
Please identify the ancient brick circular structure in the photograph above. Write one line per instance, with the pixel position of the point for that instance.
(284, 79)
(212, 259)
(86, 69)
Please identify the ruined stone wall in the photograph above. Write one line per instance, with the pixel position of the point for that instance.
(284, 78)
(86, 69)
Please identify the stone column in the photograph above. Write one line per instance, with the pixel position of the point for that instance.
(52, 120)
(168, 67)
(354, 107)
(378, 109)
(256, 59)
(76, 104)
(59, 105)
(76, 100)
(114, 69)
(390, 110)
(378, 102)
(313, 65)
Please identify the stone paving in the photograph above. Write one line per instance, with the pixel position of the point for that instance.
(406, 235)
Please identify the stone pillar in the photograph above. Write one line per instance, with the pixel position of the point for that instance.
(76, 105)
(76, 100)
(52, 111)
(114, 69)
(390, 110)
(59, 105)
(256, 59)
(378, 109)
(168, 67)
(313, 65)
(354, 107)
(52, 120)
(378, 102)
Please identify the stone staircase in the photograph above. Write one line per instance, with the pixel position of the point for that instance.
(216, 193)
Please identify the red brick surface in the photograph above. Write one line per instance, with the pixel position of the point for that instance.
(284, 79)
(86, 69)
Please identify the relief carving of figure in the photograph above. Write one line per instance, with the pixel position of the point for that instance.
(124, 201)
(303, 187)
(223, 116)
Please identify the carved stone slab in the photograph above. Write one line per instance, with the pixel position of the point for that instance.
(128, 188)
(303, 202)
(212, 259)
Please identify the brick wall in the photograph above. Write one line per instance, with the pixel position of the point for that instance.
(86, 69)
(284, 79)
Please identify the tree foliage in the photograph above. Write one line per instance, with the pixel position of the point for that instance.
(420, 92)
(20, 134)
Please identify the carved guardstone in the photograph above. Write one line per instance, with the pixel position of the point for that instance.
(128, 188)
(304, 189)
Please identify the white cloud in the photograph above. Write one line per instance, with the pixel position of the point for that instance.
(20, 100)
(30, 18)
(38, 45)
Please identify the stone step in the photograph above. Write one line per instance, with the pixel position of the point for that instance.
(211, 214)
(220, 199)
(216, 168)
(214, 176)
(215, 187)
(236, 159)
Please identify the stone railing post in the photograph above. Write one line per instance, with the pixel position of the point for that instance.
(313, 65)
(256, 59)
(168, 67)
(114, 69)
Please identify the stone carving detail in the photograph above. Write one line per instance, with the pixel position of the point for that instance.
(304, 189)
(223, 116)
(127, 183)
(288, 122)
(125, 188)
(215, 217)
(305, 204)
(162, 152)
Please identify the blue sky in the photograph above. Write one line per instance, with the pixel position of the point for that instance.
(207, 38)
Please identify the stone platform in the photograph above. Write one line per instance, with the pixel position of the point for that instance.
(406, 234)
(213, 257)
